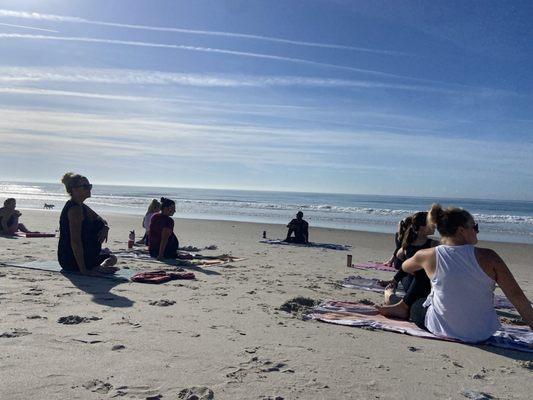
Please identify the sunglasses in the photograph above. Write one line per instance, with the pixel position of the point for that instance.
(476, 228)
(85, 186)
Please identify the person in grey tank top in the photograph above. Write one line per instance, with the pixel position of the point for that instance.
(460, 305)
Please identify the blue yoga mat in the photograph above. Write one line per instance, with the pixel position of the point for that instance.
(122, 275)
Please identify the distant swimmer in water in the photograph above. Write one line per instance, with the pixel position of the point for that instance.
(82, 232)
(9, 218)
(300, 228)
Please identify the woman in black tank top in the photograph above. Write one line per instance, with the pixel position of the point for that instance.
(82, 232)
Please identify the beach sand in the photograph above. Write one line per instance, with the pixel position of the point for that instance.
(225, 331)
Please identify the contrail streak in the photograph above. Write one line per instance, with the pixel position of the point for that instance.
(62, 18)
(29, 27)
(200, 49)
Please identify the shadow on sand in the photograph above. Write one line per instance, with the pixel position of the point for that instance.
(100, 289)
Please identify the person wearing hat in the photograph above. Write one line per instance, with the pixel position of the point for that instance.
(300, 228)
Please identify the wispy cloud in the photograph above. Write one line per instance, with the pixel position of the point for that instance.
(236, 143)
(202, 49)
(29, 27)
(144, 77)
(67, 93)
(63, 18)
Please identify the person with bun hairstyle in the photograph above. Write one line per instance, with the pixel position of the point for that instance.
(413, 236)
(463, 277)
(82, 232)
(163, 243)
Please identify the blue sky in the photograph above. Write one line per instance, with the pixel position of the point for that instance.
(380, 97)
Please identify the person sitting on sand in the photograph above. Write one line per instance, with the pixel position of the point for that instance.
(9, 219)
(463, 277)
(300, 228)
(162, 242)
(413, 237)
(153, 209)
(402, 227)
(82, 232)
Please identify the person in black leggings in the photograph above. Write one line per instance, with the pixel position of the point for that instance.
(415, 238)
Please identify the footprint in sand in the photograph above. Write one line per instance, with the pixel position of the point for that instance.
(144, 392)
(15, 333)
(162, 303)
(98, 386)
(76, 319)
(196, 393)
(35, 316)
(33, 292)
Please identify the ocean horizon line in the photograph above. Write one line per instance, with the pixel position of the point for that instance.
(406, 196)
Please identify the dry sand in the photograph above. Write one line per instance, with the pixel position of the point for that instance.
(225, 331)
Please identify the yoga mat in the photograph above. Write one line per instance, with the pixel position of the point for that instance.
(331, 246)
(368, 284)
(122, 275)
(373, 285)
(197, 259)
(35, 234)
(361, 315)
(374, 265)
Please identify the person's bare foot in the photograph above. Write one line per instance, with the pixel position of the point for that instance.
(390, 296)
(399, 310)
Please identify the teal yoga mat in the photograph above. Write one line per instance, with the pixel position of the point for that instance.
(122, 275)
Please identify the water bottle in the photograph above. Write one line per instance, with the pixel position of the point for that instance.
(131, 239)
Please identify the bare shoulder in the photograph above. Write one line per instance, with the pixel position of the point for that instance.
(425, 253)
(488, 255)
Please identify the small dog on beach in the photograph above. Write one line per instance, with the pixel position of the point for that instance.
(48, 206)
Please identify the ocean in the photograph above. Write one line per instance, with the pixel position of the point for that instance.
(507, 221)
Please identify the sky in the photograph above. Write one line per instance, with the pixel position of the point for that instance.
(371, 97)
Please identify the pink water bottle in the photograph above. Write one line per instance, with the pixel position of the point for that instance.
(131, 239)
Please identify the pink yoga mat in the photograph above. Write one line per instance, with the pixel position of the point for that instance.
(359, 315)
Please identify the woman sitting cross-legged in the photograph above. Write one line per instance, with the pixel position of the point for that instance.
(82, 232)
(463, 277)
(413, 237)
(9, 219)
(162, 241)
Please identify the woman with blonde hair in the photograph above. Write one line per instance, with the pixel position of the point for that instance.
(463, 277)
(82, 232)
(153, 209)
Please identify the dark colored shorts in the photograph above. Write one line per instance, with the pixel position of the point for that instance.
(418, 313)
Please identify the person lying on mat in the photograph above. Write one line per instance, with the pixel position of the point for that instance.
(463, 277)
(153, 209)
(9, 219)
(413, 237)
(82, 232)
(300, 228)
(162, 242)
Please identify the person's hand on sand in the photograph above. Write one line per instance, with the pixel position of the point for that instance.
(102, 235)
